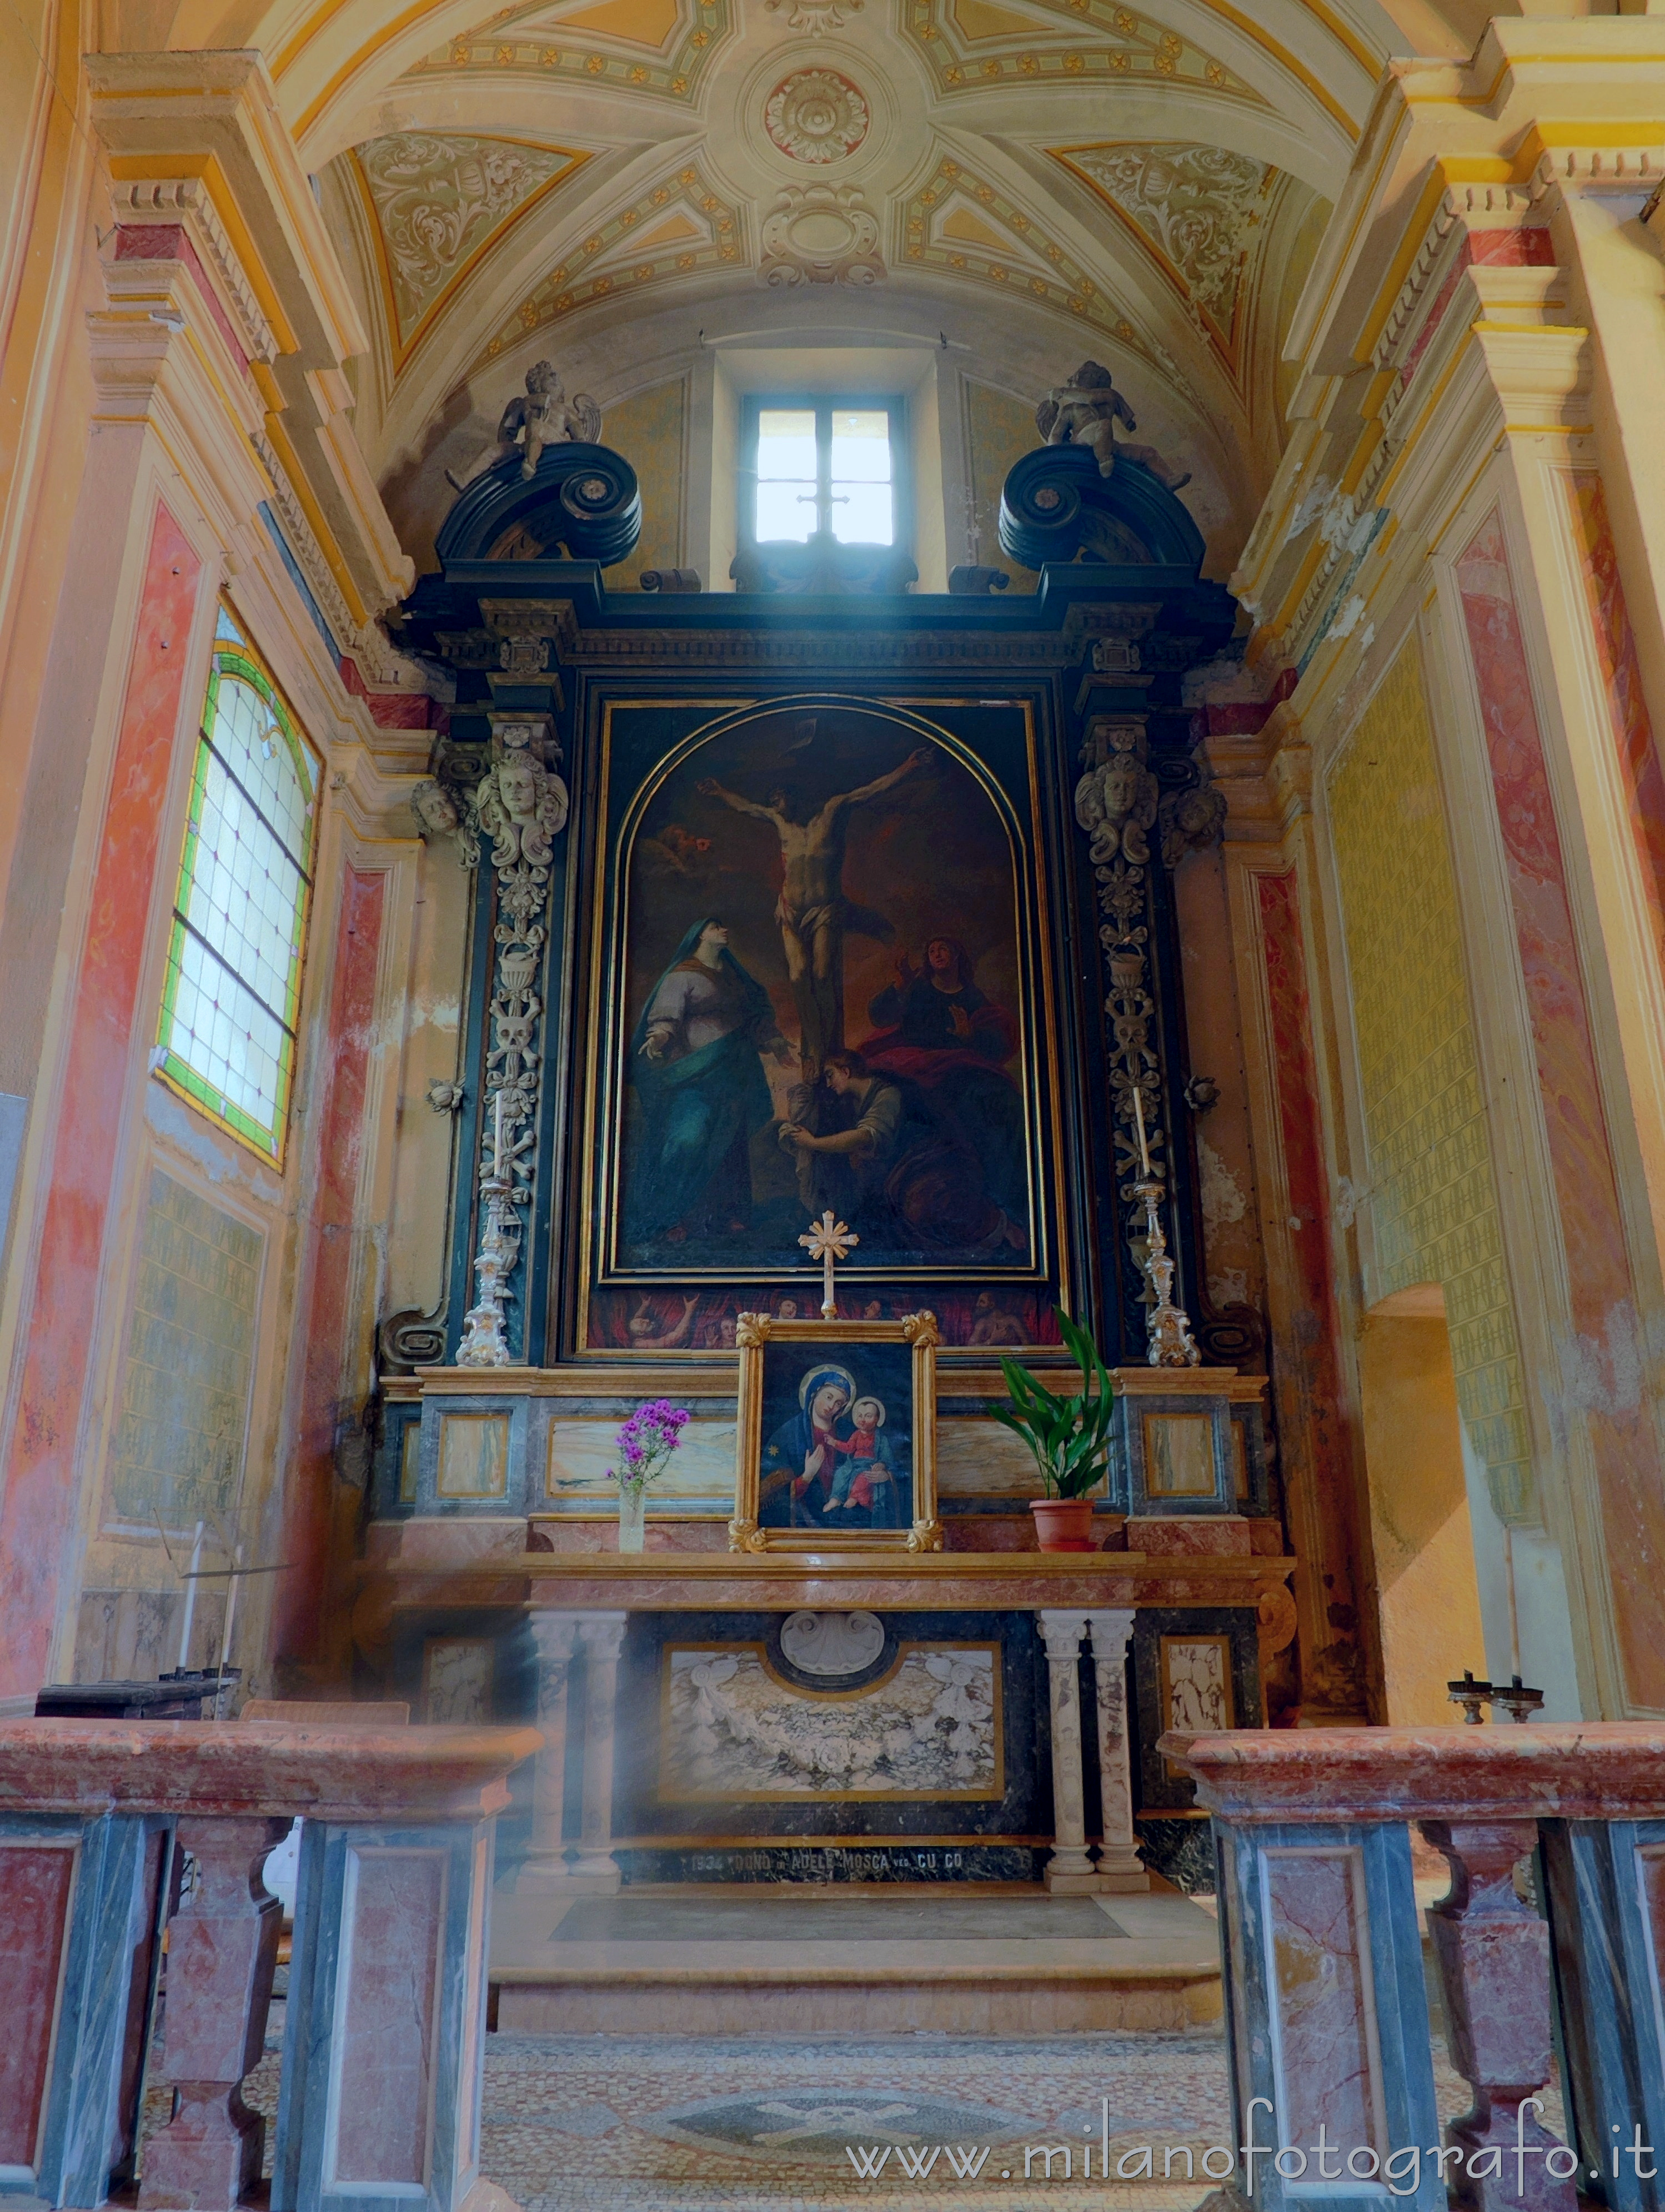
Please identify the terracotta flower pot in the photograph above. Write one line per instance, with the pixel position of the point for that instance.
(1063, 1524)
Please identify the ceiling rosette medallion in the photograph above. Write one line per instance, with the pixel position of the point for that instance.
(816, 116)
(1198, 211)
(820, 235)
(437, 206)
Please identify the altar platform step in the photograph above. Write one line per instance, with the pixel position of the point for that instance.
(1000, 1959)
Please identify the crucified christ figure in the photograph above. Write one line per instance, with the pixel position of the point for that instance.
(812, 909)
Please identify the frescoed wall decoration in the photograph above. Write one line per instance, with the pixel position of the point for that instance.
(818, 982)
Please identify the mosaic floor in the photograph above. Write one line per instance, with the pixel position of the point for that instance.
(664, 2123)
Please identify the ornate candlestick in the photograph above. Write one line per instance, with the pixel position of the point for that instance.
(484, 1342)
(1168, 1326)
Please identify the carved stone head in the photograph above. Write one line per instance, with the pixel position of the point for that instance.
(542, 378)
(435, 810)
(517, 783)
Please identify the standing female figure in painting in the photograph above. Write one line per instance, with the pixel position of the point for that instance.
(695, 1061)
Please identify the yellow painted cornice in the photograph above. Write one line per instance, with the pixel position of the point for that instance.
(315, 514)
(174, 114)
(156, 168)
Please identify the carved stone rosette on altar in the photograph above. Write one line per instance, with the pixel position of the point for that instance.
(1119, 802)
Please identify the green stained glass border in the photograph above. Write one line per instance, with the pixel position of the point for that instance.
(234, 657)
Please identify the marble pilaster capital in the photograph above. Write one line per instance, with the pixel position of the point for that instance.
(1109, 1629)
(555, 1636)
(602, 1634)
(1061, 1632)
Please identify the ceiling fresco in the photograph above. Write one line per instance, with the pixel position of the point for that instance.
(1027, 180)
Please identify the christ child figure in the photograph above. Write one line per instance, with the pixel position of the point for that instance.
(868, 1461)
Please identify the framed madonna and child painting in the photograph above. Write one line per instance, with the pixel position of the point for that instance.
(836, 1441)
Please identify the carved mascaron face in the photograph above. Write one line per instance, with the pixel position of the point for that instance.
(517, 783)
(434, 810)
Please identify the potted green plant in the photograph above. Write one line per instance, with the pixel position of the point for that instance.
(1069, 1438)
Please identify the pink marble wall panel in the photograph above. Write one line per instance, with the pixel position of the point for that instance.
(385, 2056)
(330, 1327)
(1309, 1382)
(1316, 1937)
(85, 1156)
(1601, 1376)
(35, 1885)
(1621, 676)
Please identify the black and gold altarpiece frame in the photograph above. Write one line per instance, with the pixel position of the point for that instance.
(819, 975)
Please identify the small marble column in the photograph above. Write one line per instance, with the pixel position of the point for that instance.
(555, 1636)
(221, 1950)
(1069, 1871)
(602, 1636)
(1493, 1953)
(1119, 1868)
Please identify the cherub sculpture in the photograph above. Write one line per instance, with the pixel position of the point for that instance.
(1085, 412)
(442, 813)
(523, 808)
(544, 417)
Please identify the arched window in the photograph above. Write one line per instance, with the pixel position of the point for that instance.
(233, 993)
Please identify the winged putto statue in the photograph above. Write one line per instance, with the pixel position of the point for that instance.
(1085, 412)
(543, 415)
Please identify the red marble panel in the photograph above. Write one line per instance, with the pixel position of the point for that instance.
(35, 1885)
(1309, 1385)
(1315, 1932)
(1621, 677)
(86, 1150)
(1190, 1536)
(330, 1325)
(1601, 1372)
(385, 2061)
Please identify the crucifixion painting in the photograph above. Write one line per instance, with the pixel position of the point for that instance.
(822, 995)
(813, 910)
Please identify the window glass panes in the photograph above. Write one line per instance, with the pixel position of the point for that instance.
(787, 473)
(861, 447)
(861, 511)
(825, 466)
(233, 989)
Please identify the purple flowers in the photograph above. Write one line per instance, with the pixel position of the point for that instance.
(647, 1441)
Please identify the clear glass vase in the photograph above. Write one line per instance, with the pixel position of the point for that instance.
(632, 1517)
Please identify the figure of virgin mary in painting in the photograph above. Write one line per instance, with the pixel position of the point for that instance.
(696, 1063)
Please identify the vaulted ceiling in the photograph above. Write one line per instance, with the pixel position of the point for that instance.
(618, 184)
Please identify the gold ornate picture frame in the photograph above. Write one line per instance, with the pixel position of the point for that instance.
(825, 1460)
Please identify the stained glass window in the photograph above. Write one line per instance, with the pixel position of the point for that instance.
(233, 991)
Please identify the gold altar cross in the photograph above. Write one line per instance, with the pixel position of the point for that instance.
(829, 1242)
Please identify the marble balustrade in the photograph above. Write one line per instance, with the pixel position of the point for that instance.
(384, 2041)
(1327, 2016)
